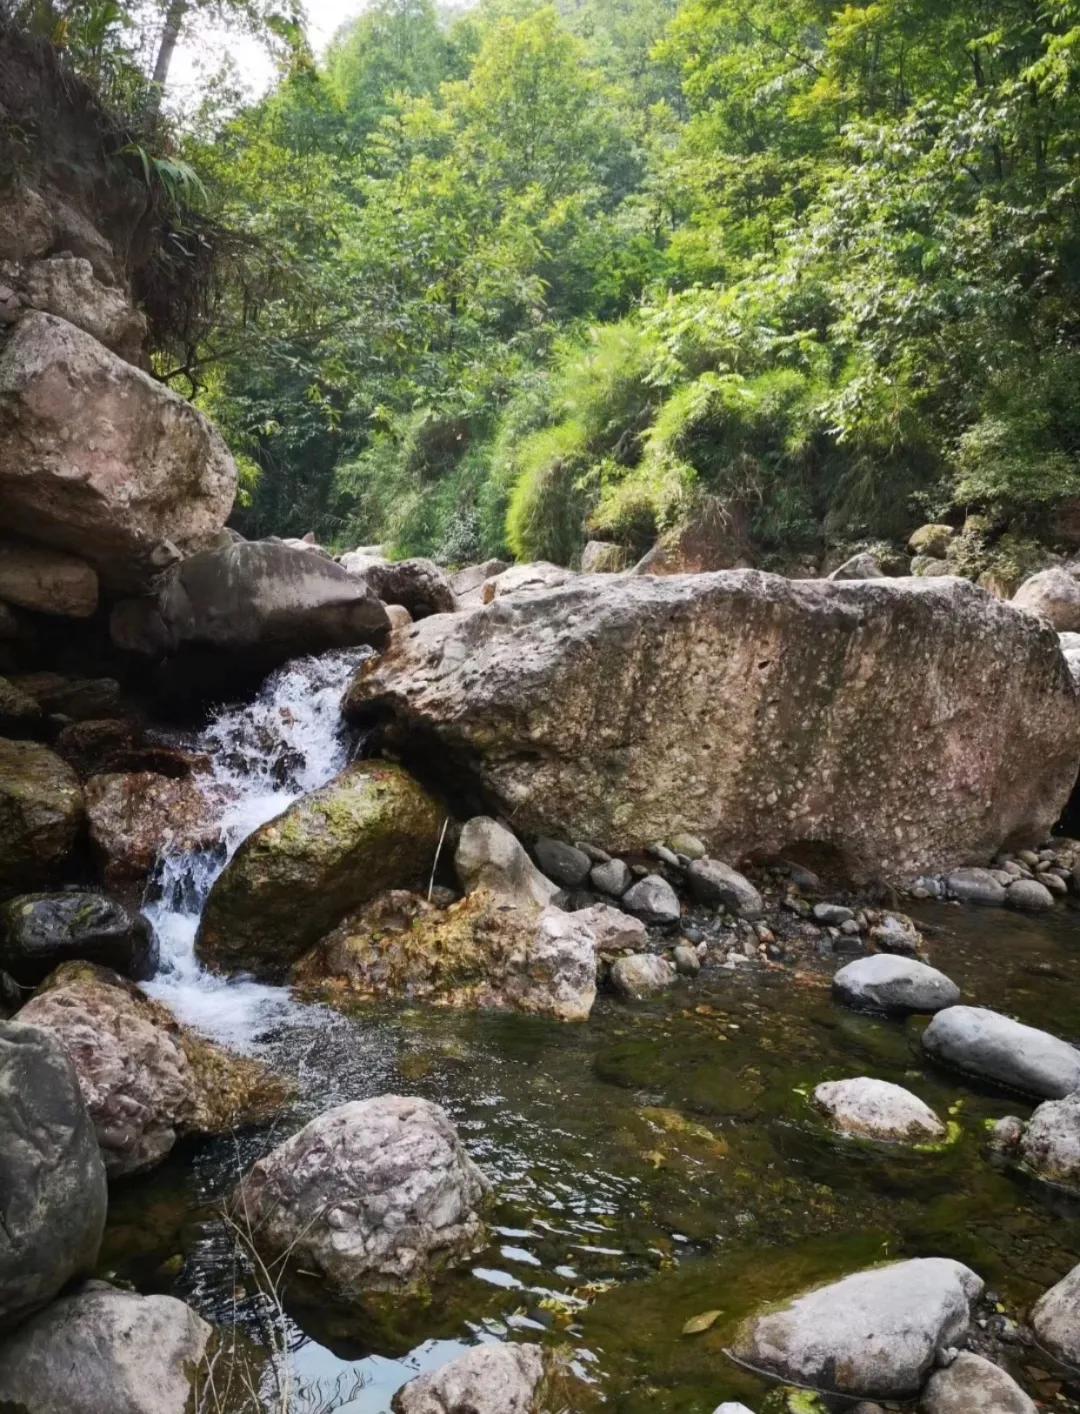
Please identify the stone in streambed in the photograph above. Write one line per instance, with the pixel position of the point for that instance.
(653, 900)
(490, 857)
(372, 1196)
(896, 933)
(1055, 1319)
(1049, 1143)
(714, 882)
(975, 886)
(52, 1180)
(134, 815)
(614, 930)
(41, 814)
(641, 975)
(996, 1048)
(1029, 896)
(972, 1385)
(291, 881)
(145, 1079)
(877, 1333)
(562, 863)
(875, 1109)
(40, 931)
(490, 1379)
(105, 1351)
(612, 877)
(885, 982)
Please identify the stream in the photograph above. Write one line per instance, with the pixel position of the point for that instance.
(656, 1163)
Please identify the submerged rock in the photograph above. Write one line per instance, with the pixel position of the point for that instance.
(104, 1351)
(371, 1196)
(40, 931)
(490, 857)
(476, 953)
(885, 982)
(52, 1181)
(996, 1048)
(1055, 1319)
(878, 1333)
(972, 1385)
(291, 881)
(145, 1079)
(489, 1379)
(875, 1109)
(582, 712)
(641, 975)
(158, 483)
(41, 813)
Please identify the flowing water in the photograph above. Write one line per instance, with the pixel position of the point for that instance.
(656, 1163)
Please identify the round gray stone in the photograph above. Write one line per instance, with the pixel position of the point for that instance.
(886, 982)
(994, 1047)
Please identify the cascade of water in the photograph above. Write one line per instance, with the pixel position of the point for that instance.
(264, 754)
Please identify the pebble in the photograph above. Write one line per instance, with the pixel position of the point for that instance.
(833, 914)
(611, 878)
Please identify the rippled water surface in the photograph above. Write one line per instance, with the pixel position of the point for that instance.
(658, 1162)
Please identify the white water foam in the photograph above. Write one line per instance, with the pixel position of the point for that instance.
(264, 755)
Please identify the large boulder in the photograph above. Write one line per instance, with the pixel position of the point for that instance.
(371, 829)
(49, 581)
(100, 458)
(476, 953)
(105, 1351)
(996, 1048)
(1055, 1319)
(52, 1181)
(417, 585)
(886, 982)
(876, 1334)
(40, 931)
(489, 1379)
(371, 1196)
(972, 1385)
(251, 605)
(41, 814)
(65, 285)
(754, 711)
(864, 1108)
(145, 1079)
(134, 815)
(1054, 595)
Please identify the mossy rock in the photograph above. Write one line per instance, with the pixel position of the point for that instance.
(41, 814)
(372, 828)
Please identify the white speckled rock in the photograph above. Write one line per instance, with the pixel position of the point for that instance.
(1055, 1319)
(972, 1385)
(491, 1379)
(1050, 1145)
(878, 1333)
(641, 975)
(994, 1047)
(370, 1195)
(614, 930)
(876, 1109)
(885, 982)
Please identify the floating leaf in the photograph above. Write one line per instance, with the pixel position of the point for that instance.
(696, 1324)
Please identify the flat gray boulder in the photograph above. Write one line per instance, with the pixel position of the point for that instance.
(1055, 1319)
(104, 1351)
(886, 982)
(371, 1196)
(993, 1047)
(972, 1385)
(864, 1108)
(52, 1180)
(875, 1335)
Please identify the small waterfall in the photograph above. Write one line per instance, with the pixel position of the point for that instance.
(264, 754)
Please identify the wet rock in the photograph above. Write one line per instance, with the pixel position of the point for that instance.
(135, 815)
(896, 933)
(613, 877)
(975, 886)
(713, 882)
(653, 900)
(41, 814)
(933, 539)
(686, 960)
(613, 929)
(832, 915)
(1049, 1143)
(602, 557)
(90, 746)
(518, 578)
(417, 585)
(1052, 594)
(1029, 896)
(49, 581)
(371, 828)
(562, 863)
(489, 857)
(479, 952)
(145, 1079)
(519, 700)
(40, 931)
(884, 982)
(1055, 1319)
(160, 474)
(370, 1196)
(20, 715)
(641, 975)
(972, 1385)
(104, 1351)
(81, 699)
(490, 1379)
(996, 1048)
(877, 1333)
(875, 1109)
(52, 1181)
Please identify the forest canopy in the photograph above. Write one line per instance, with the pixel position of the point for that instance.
(519, 275)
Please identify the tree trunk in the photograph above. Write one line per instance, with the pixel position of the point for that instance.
(170, 33)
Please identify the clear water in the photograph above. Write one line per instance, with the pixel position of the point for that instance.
(658, 1162)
